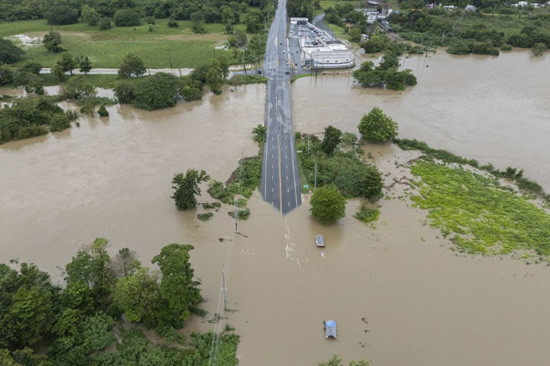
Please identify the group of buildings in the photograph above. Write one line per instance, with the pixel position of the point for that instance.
(316, 48)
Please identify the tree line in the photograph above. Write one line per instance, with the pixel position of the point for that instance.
(78, 322)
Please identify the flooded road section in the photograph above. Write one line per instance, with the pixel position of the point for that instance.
(493, 109)
(399, 293)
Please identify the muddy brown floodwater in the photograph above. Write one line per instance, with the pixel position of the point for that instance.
(399, 293)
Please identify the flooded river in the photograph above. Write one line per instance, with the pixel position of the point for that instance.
(399, 293)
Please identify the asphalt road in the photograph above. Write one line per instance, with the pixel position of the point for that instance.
(280, 185)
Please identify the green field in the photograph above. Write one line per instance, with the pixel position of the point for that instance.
(107, 48)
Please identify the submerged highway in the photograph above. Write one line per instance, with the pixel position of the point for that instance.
(280, 184)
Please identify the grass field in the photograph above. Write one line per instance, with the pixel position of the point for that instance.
(107, 48)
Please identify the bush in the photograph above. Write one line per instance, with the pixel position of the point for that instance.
(78, 87)
(124, 92)
(172, 23)
(126, 18)
(104, 24)
(61, 15)
(376, 126)
(367, 214)
(102, 111)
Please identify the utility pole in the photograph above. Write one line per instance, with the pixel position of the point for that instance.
(170, 59)
(308, 145)
(223, 291)
(315, 175)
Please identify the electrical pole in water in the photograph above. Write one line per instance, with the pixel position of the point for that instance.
(315, 175)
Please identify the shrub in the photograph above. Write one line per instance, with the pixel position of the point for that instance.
(104, 24)
(102, 111)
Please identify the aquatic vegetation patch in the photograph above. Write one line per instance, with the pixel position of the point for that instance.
(367, 214)
(510, 173)
(479, 214)
(205, 216)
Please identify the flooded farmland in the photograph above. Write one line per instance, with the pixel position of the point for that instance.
(398, 291)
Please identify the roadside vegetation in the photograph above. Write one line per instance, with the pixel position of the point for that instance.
(235, 192)
(337, 361)
(81, 322)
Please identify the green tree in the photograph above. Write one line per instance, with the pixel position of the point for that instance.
(34, 84)
(26, 311)
(327, 204)
(104, 24)
(331, 140)
(355, 34)
(58, 72)
(254, 21)
(61, 15)
(214, 77)
(91, 267)
(6, 74)
(79, 87)
(539, 49)
(125, 263)
(187, 187)
(371, 184)
(102, 111)
(198, 22)
(89, 15)
(337, 361)
(260, 134)
(85, 64)
(51, 41)
(137, 295)
(376, 126)
(131, 66)
(67, 63)
(124, 92)
(9, 53)
(160, 90)
(178, 292)
(126, 18)
(389, 61)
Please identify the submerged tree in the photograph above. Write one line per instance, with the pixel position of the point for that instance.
(187, 187)
(327, 204)
(331, 140)
(376, 126)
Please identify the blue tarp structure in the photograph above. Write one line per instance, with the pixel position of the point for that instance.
(330, 329)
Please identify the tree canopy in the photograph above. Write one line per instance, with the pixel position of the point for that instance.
(9, 53)
(376, 126)
(328, 205)
(187, 187)
(331, 140)
(131, 66)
